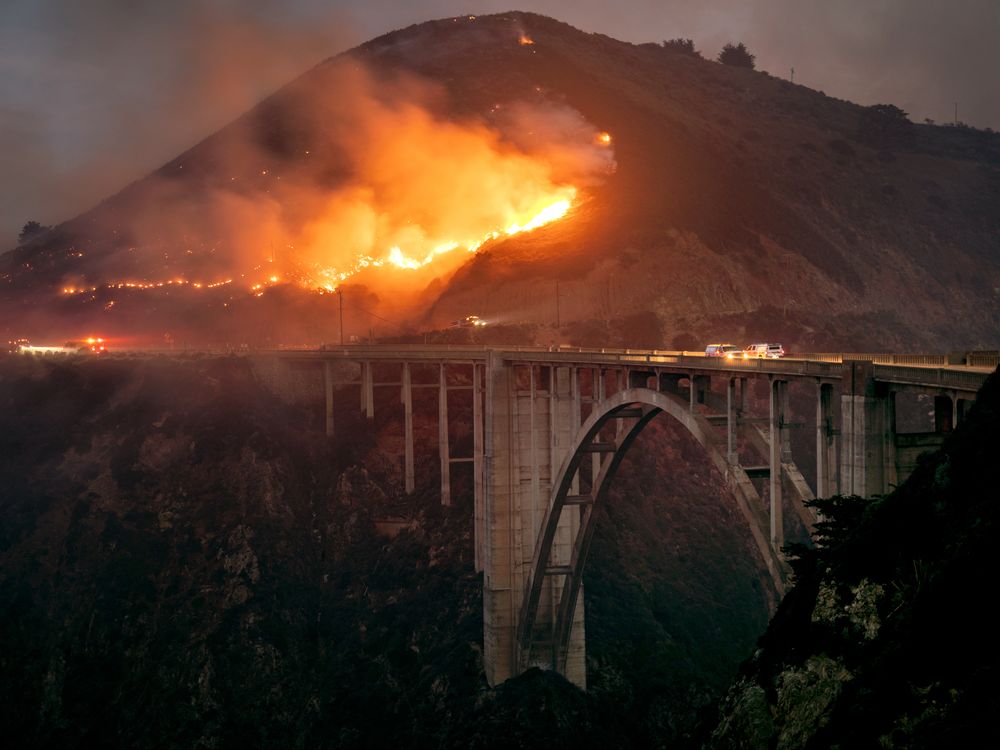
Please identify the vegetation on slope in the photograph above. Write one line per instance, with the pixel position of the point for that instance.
(888, 638)
(185, 561)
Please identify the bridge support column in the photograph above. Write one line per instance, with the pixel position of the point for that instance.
(328, 388)
(825, 447)
(959, 410)
(699, 385)
(443, 449)
(944, 414)
(367, 392)
(778, 453)
(731, 421)
(867, 433)
(477, 465)
(407, 398)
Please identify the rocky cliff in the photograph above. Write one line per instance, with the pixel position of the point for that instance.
(888, 638)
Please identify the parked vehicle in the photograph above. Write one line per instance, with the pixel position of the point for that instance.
(764, 351)
(469, 321)
(91, 345)
(722, 350)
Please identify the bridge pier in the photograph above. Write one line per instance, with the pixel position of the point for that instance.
(868, 433)
(826, 448)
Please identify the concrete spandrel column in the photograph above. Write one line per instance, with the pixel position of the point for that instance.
(407, 398)
(944, 414)
(778, 399)
(443, 448)
(824, 440)
(367, 391)
(598, 397)
(961, 409)
(477, 465)
(731, 422)
(786, 435)
(888, 435)
(328, 389)
(574, 422)
(537, 504)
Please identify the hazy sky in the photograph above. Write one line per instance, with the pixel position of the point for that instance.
(96, 93)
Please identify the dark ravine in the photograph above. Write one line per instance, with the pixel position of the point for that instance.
(185, 561)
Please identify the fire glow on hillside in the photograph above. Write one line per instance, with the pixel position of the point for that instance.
(387, 185)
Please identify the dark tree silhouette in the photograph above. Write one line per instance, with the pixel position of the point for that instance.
(686, 46)
(30, 230)
(737, 55)
(884, 126)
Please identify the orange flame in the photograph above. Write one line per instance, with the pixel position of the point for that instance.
(525, 40)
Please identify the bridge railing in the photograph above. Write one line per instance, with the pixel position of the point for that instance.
(927, 360)
(962, 380)
(983, 359)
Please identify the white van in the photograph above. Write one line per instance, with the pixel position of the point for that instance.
(764, 351)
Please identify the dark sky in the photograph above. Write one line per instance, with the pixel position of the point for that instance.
(96, 93)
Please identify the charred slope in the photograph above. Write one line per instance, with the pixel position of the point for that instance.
(888, 638)
(736, 193)
(185, 560)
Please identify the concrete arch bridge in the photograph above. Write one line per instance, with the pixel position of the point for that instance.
(551, 427)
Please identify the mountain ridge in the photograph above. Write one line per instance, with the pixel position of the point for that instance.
(735, 192)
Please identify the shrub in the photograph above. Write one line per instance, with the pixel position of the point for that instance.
(684, 46)
(737, 55)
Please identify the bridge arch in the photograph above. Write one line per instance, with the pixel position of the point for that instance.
(632, 409)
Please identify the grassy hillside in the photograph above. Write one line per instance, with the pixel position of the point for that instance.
(742, 206)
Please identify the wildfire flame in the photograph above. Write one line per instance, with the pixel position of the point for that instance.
(550, 213)
(390, 181)
(524, 40)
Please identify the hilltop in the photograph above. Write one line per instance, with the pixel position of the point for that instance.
(739, 205)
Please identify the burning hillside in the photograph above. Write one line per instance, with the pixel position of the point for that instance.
(461, 166)
(349, 175)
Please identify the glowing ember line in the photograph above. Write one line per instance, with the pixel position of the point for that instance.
(145, 285)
